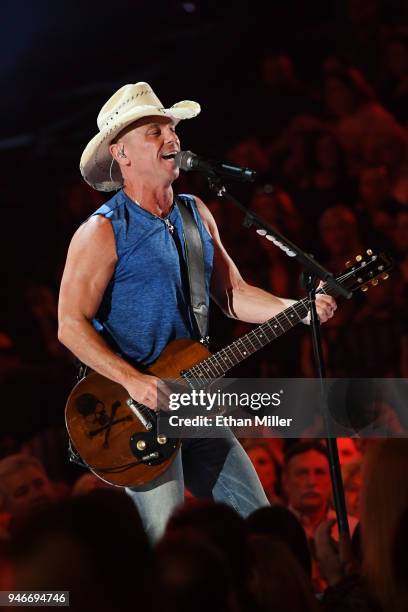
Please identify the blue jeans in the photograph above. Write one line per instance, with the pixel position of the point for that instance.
(211, 468)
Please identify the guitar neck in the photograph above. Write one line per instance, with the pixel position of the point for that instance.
(225, 359)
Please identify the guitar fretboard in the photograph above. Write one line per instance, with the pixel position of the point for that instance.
(221, 362)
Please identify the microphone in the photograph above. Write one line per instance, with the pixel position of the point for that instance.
(187, 161)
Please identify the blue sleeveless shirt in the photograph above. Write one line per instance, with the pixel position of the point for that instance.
(147, 303)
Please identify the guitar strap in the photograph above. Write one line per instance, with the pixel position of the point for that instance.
(195, 268)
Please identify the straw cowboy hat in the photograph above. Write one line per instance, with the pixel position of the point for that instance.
(129, 103)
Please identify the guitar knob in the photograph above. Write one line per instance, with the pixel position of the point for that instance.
(365, 288)
(385, 276)
(369, 252)
(374, 282)
(359, 258)
(161, 439)
(141, 445)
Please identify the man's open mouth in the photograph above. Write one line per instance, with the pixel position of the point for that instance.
(169, 155)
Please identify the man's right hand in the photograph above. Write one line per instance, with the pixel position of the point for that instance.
(149, 391)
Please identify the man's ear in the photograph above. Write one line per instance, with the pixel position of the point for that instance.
(117, 151)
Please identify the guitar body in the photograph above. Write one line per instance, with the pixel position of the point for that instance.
(106, 432)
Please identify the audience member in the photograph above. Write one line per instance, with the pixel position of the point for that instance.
(376, 208)
(389, 148)
(280, 524)
(307, 485)
(194, 573)
(355, 114)
(384, 498)
(93, 546)
(219, 525)
(352, 482)
(394, 86)
(24, 484)
(383, 522)
(277, 581)
(267, 467)
(340, 237)
(348, 450)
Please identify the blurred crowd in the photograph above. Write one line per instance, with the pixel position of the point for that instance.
(88, 538)
(331, 155)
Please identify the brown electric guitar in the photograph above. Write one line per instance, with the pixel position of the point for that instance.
(116, 437)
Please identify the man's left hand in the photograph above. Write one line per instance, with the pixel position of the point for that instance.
(325, 307)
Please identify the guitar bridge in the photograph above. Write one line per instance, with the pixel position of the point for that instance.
(138, 413)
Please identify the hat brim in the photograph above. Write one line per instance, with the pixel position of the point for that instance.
(96, 159)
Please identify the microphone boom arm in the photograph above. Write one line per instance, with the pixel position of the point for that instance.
(286, 245)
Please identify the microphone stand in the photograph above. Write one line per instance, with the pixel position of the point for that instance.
(313, 272)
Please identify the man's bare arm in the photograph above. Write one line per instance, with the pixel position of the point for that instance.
(235, 296)
(89, 267)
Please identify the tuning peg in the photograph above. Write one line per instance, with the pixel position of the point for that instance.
(365, 288)
(369, 252)
(374, 282)
(385, 276)
(359, 258)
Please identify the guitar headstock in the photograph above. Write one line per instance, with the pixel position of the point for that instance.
(365, 270)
